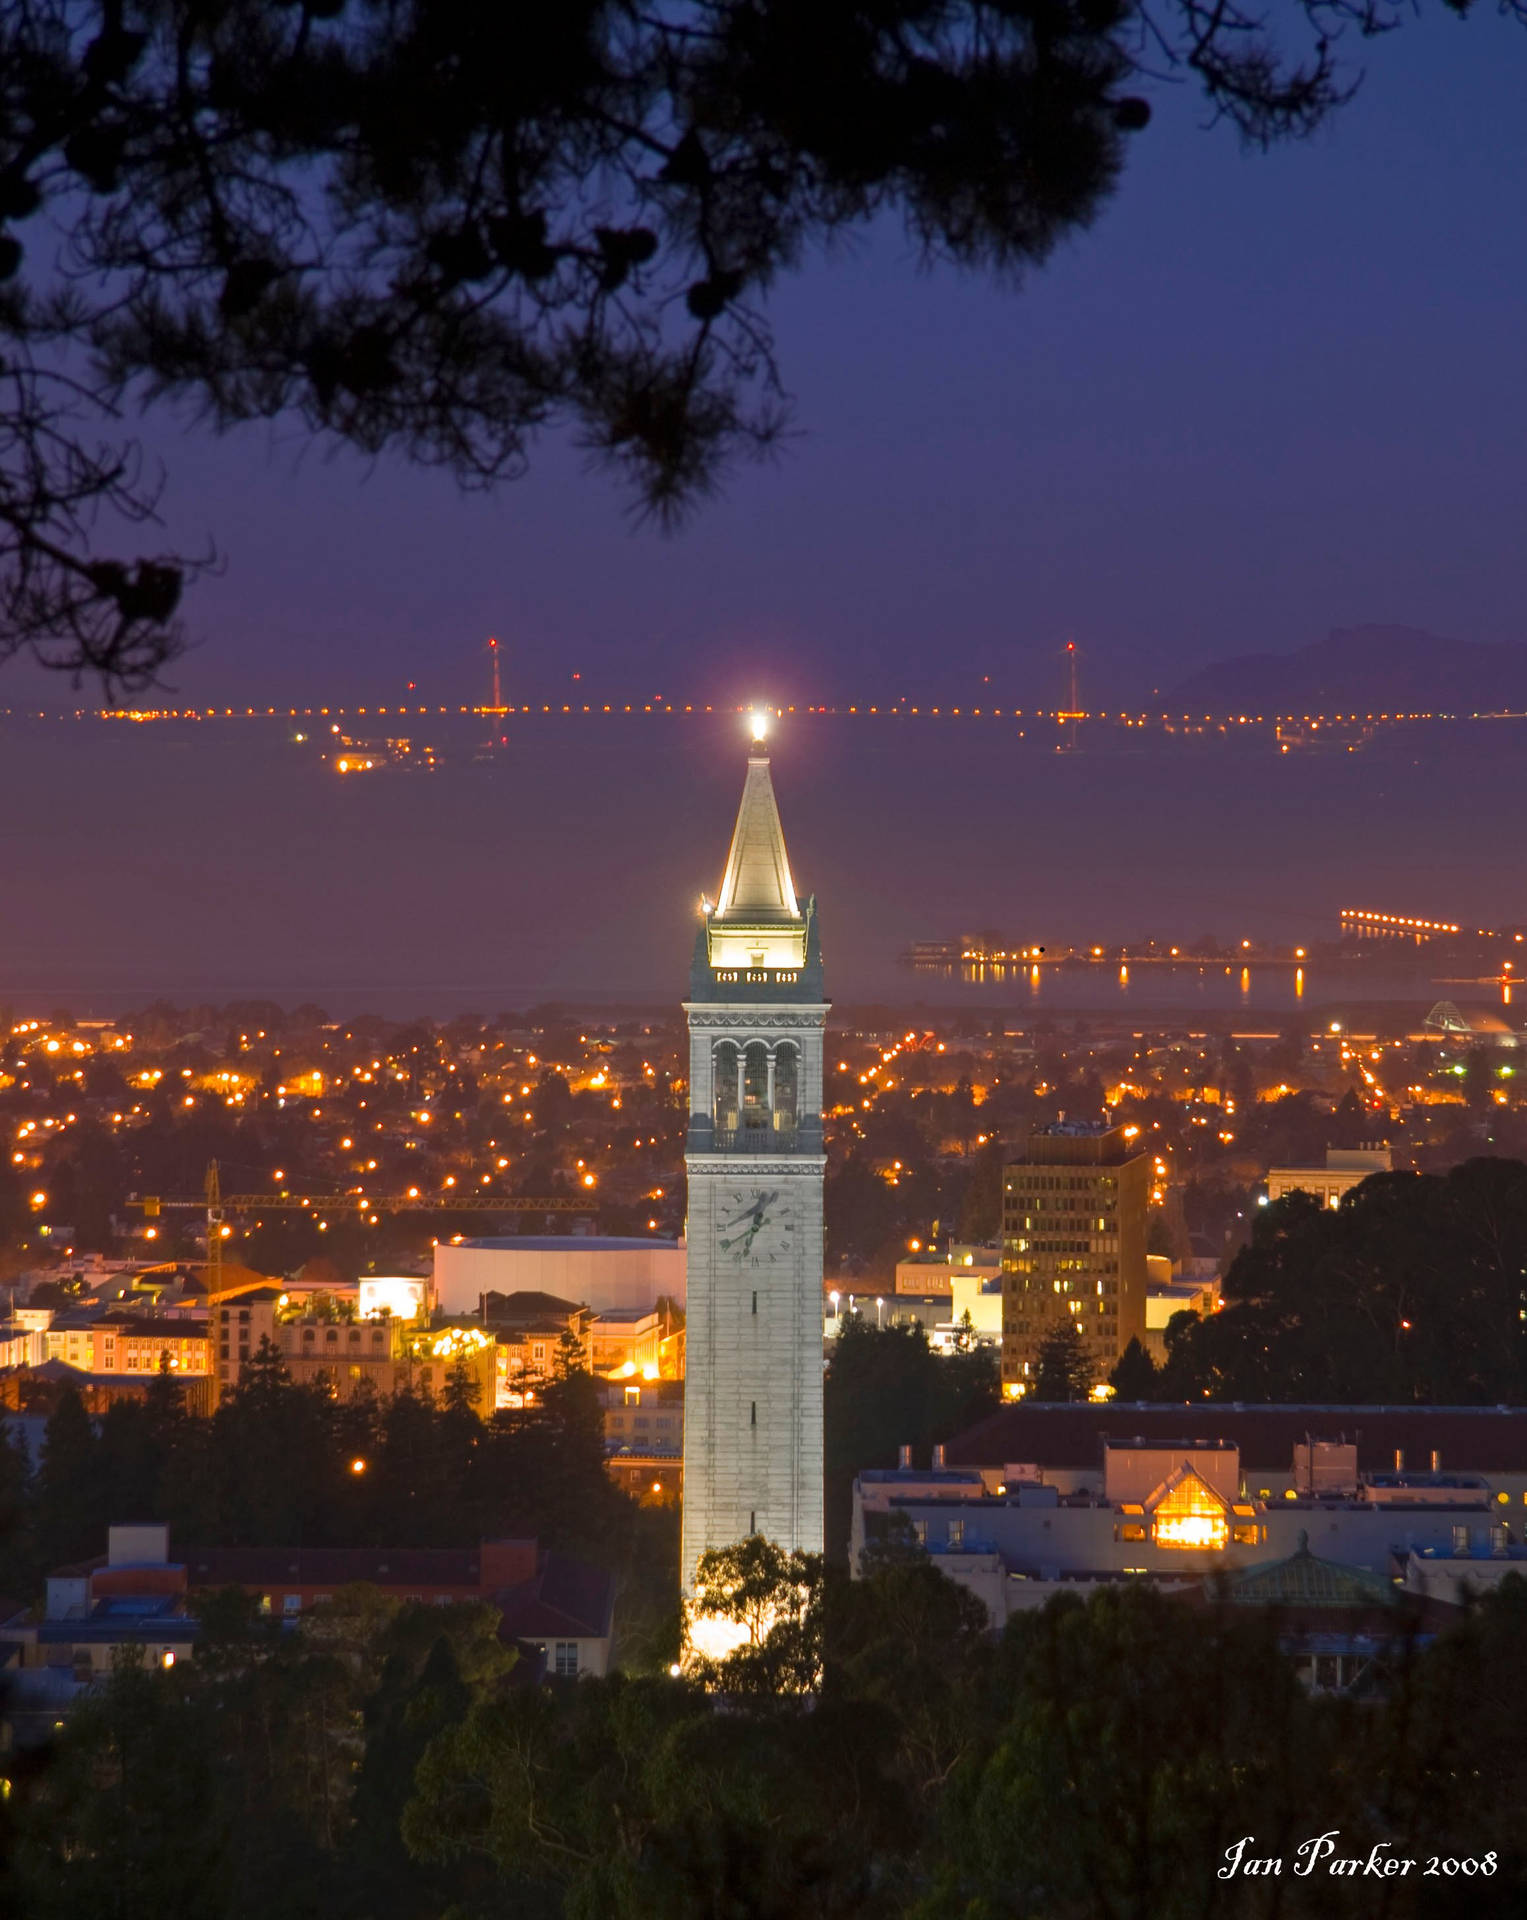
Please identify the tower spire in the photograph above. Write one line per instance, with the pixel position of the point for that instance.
(757, 884)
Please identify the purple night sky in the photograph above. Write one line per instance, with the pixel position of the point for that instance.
(1267, 395)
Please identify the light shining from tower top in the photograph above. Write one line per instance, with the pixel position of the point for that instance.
(758, 723)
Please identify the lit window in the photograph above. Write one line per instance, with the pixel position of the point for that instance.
(1190, 1514)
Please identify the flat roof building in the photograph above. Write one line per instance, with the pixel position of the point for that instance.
(597, 1270)
(1345, 1168)
(1073, 1245)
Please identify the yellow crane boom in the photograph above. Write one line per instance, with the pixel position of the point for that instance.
(217, 1205)
(153, 1204)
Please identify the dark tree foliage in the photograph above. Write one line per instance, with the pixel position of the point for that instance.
(69, 1504)
(243, 1784)
(1091, 1763)
(1138, 1740)
(773, 1600)
(280, 1464)
(1064, 1370)
(887, 1388)
(914, 1647)
(1410, 1291)
(1134, 1376)
(638, 1801)
(442, 228)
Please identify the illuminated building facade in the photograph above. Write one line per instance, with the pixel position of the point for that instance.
(1170, 1512)
(753, 1400)
(1345, 1168)
(1073, 1244)
(131, 1343)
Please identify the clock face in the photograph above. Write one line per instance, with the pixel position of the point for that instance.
(755, 1228)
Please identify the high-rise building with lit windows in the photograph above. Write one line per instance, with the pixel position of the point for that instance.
(754, 1158)
(1073, 1245)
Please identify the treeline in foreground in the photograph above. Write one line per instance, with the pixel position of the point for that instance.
(1409, 1292)
(1100, 1761)
(281, 1464)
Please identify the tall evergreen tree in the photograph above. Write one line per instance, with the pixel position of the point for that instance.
(1134, 1376)
(71, 1513)
(16, 1514)
(1065, 1372)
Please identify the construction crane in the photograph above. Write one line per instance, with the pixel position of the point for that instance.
(216, 1231)
(219, 1205)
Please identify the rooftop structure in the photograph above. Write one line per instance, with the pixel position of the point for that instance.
(1066, 1442)
(596, 1270)
(1172, 1512)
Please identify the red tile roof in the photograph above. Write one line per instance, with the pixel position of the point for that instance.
(332, 1567)
(567, 1600)
(1469, 1439)
(564, 1598)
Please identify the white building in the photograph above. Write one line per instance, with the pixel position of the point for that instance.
(753, 1389)
(979, 1295)
(1345, 1168)
(597, 1272)
(933, 1272)
(1170, 1514)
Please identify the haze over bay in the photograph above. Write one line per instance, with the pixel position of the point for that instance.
(218, 858)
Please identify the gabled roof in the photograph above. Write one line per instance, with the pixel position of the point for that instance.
(531, 1310)
(757, 885)
(567, 1599)
(1185, 1490)
(334, 1566)
(1305, 1580)
(149, 1328)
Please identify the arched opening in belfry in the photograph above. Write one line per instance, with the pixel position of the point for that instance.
(727, 1085)
(755, 1085)
(787, 1082)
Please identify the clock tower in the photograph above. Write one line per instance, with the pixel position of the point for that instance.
(754, 1157)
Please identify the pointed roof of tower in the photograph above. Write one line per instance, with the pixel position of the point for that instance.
(757, 883)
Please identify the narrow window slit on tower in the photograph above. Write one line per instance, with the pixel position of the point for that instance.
(753, 1417)
(755, 1303)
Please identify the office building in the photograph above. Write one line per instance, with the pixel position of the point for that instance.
(1073, 1245)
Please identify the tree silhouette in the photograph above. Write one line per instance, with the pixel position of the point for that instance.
(1064, 1371)
(1134, 1376)
(441, 228)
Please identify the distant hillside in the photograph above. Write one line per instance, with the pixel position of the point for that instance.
(1362, 670)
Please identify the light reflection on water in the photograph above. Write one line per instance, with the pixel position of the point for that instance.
(1084, 985)
(231, 861)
